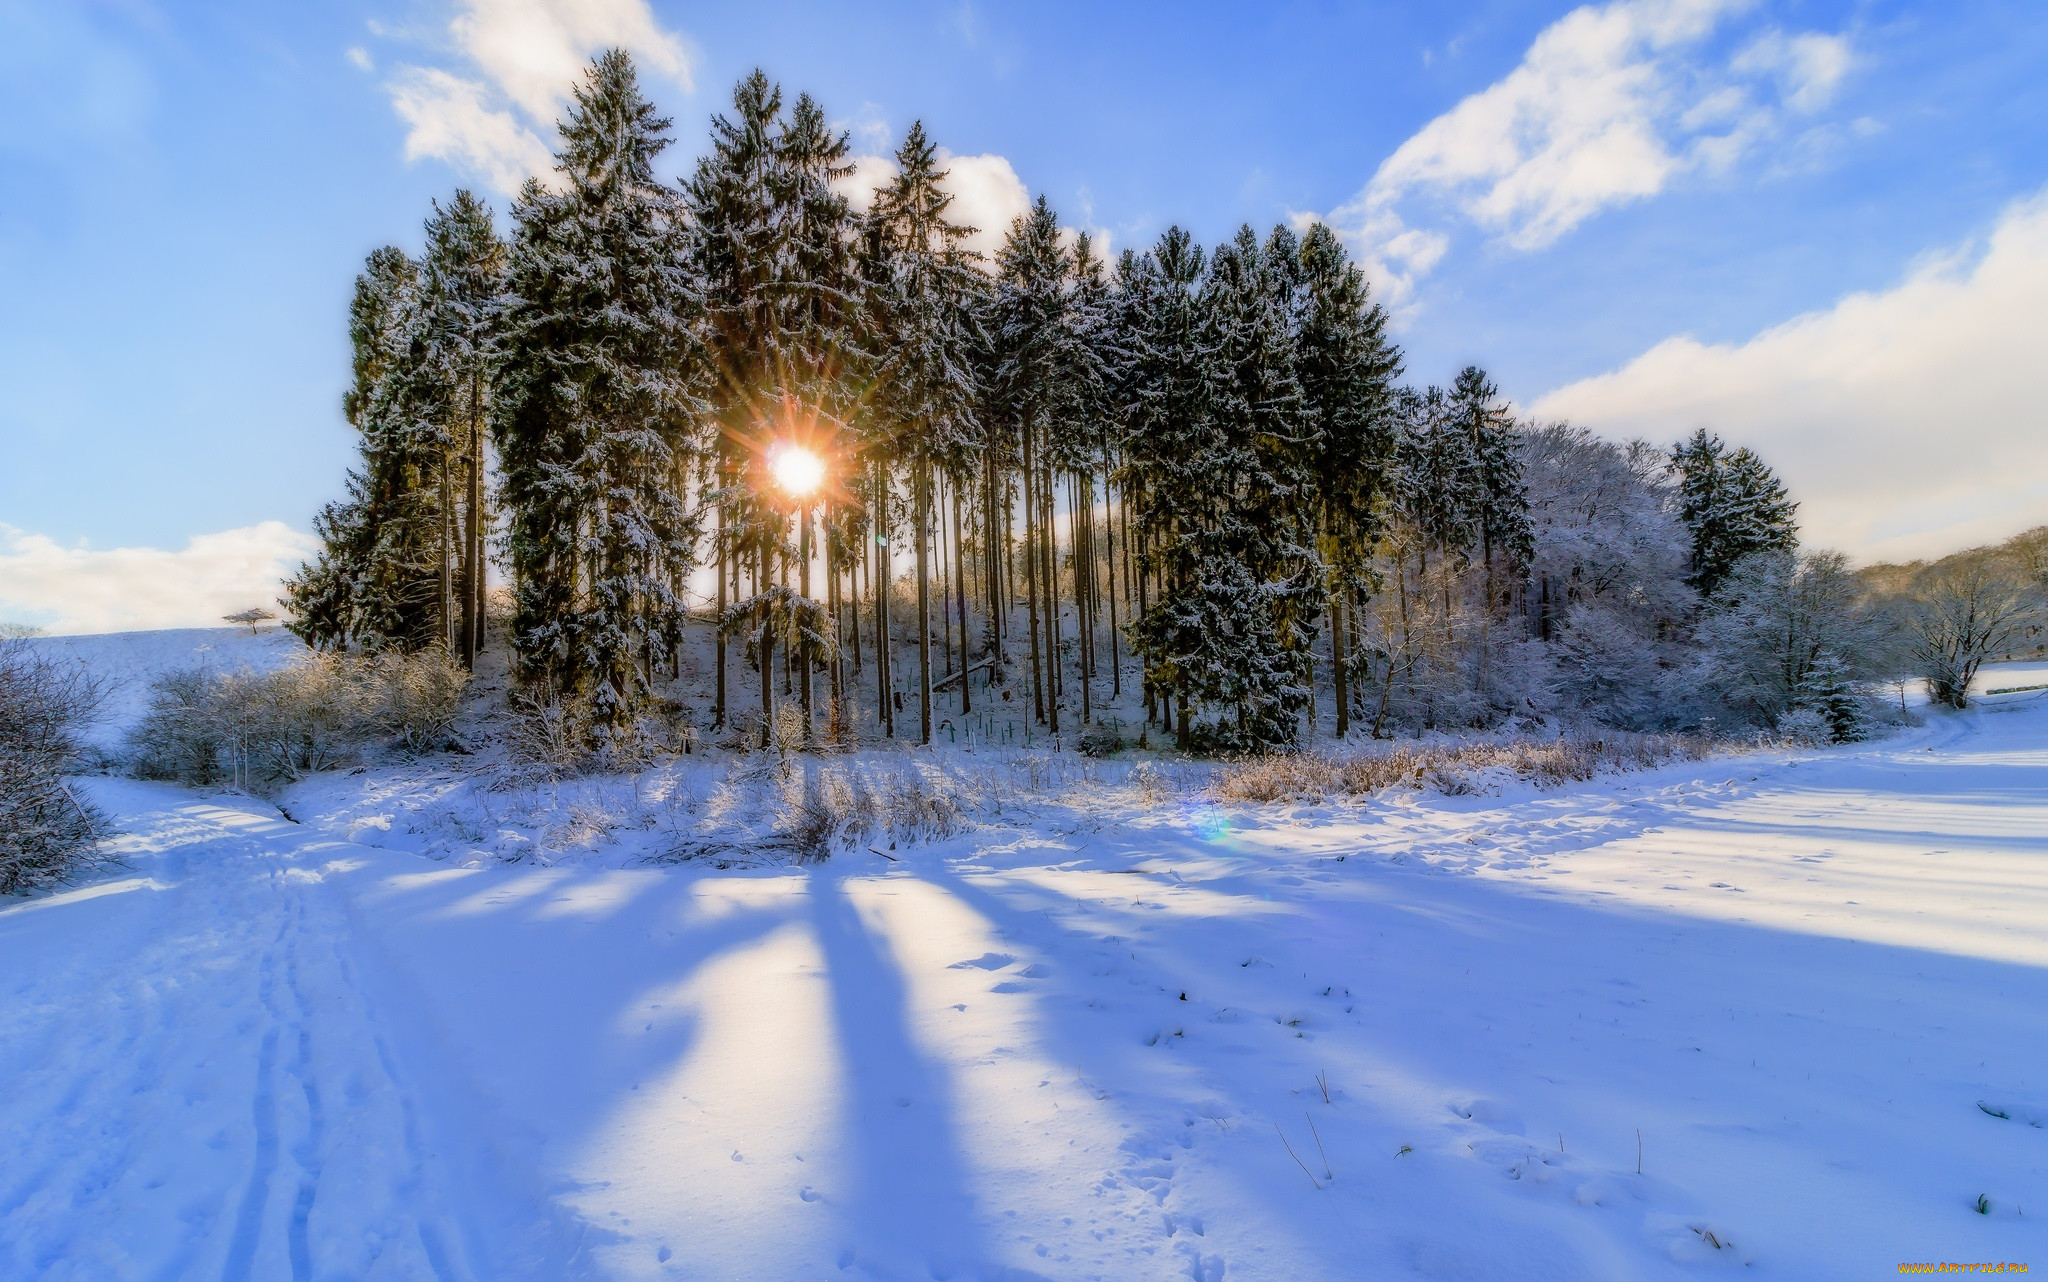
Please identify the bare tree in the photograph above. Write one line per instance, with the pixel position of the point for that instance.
(1962, 614)
(251, 619)
(46, 831)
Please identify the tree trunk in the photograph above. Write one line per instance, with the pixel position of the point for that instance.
(1337, 674)
(1116, 667)
(922, 505)
(884, 683)
(721, 550)
(1031, 593)
(448, 637)
(960, 590)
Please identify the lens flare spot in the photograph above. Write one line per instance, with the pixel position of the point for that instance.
(797, 471)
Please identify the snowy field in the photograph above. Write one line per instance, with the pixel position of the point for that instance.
(1776, 1016)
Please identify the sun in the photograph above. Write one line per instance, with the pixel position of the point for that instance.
(797, 471)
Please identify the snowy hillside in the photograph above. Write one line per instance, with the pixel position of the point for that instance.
(1782, 1014)
(128, 661)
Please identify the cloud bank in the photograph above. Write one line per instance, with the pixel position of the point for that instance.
(1608, 106)
(1907, 421)
(518, 59)
(82, 589)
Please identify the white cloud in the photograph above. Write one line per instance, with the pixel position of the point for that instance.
(987, 194)
(1907, 421)
(450, 119)
(522, 58)
(82, 589)
(1607, 106)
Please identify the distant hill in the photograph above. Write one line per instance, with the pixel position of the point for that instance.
(130, 660)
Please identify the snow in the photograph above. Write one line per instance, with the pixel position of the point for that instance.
(1418, 1036)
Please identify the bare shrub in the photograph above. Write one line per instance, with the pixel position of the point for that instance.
(916, 804)
(545, 734)
(204, 727)
(47, 833)
(819, 813)
(180, 735)
(418, 696)
(299, 720)
(1452, 769)
(1292, 776)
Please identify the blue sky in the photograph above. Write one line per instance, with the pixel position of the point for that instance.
(1815, 227)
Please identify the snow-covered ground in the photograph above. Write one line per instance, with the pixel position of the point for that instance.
(1782, 1014)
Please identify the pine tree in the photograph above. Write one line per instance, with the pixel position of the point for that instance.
(1347, 369)
(1733, 505)
(375, 581)
(1500, 514)
(599, 407)
(925, 288)
(1260, 565)
(1829, 692)
(1438, 488)
(1032, 358)
(1171, 454)
(462, 280)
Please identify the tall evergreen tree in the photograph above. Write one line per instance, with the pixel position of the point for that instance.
(1171, 453)
(1032, 339)
(1500, 511)
(925, 287)
(1348, 369)
(375, 582)
(462, 279)
(599, 405)
(1732, 504)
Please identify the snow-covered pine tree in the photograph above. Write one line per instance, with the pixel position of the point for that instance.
(1080, 448)
(1732, 504)
(826, 361)
(375, 581)
(1258, 571)
(1347, 369)
(462, 279)
(1437, 477)
(739, 250)
(1171, 455)
(1501, 501)
(925, 290)
(600, 408)
(1031, 360)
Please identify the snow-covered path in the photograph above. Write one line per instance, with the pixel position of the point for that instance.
(1429, 1037)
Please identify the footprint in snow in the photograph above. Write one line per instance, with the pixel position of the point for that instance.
(987, 961)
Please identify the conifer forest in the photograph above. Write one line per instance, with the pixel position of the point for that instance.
(1186, 493)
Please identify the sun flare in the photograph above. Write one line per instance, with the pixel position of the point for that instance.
(798, 471)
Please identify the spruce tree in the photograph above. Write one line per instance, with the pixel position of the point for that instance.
(1348, 370)
(1171, 449)
(1500, 514)
(924, 287)
(462, 278)
(599, 405)
(1031, 341)
(1732, 504)
(1260, 568)
(375, 582)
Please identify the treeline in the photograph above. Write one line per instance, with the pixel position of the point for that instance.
(1033, 467)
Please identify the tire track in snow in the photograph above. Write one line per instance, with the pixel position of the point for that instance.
(263, 1168)
(307, 1152)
